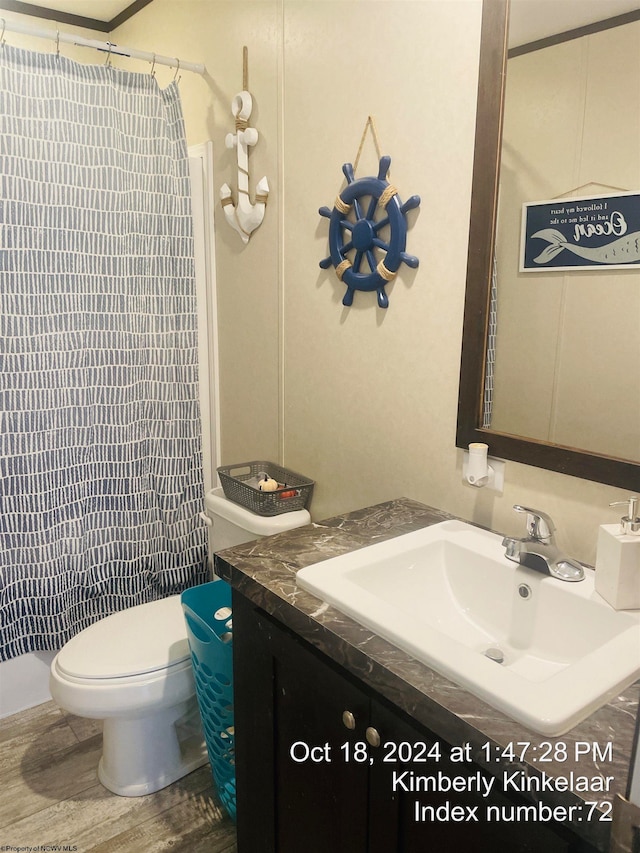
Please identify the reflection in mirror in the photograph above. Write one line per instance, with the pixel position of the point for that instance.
(570, 336)
(563, 387)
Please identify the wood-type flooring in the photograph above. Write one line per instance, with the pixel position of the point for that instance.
(51, 800)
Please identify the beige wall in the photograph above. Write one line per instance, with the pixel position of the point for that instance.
(362, 400)
(572, 119)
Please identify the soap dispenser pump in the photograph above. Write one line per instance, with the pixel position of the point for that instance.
(629, 523)
(618, 559)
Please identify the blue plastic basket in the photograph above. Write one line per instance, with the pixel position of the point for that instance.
(207, 613)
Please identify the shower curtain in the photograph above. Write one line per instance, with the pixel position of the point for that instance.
(101, 480)
(492, 329)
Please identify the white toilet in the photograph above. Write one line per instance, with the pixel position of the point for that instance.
(133, 670)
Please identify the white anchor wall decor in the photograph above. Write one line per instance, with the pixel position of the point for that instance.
(244, 217)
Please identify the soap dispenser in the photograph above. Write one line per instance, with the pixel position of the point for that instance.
(618, 559)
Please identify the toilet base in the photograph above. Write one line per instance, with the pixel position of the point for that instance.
(146, 753)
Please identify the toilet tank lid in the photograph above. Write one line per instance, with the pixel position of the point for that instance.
(262, 525)
(145, 638)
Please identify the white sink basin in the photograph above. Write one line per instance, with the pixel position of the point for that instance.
(446, 594)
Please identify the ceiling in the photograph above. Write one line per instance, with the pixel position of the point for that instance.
(530, 19)
(101, 15)
(101, 10)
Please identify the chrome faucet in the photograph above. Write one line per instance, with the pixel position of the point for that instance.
(538, 549)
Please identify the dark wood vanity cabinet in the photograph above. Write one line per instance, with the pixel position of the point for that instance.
(311, 778)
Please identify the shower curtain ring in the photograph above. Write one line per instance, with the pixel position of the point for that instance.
(153, 66)
(108, 59)
(177, 69)
(4, 27)
(57, 42)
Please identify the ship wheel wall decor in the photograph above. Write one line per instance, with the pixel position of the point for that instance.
(366, 209)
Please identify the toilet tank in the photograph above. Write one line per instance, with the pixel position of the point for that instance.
(231, 524)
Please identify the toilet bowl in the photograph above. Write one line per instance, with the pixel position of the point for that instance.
(133, 671)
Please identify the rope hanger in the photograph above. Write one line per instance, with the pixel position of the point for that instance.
(245, 69)
(590, 184)
(369, 125)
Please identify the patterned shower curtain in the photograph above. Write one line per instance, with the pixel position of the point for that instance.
(100, 439)
(492, 330)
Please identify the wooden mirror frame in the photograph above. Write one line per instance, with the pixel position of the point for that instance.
(484, 197)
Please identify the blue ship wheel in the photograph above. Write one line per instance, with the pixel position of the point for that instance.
(362, 210)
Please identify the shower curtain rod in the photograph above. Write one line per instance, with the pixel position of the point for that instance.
(105, 46)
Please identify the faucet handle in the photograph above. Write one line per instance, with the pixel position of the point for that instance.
(539, 524)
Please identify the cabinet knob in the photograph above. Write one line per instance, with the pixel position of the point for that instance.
(348, 720)
(372, 736)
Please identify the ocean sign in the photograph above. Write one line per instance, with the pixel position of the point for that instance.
(581, 233)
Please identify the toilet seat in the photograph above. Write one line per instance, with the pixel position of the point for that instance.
(126, 664)
(133, 642)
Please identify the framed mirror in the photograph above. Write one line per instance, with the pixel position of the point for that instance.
(569, 454)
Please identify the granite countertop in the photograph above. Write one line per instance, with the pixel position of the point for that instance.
(265, 572)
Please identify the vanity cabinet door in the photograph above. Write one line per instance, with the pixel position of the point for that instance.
(296, 791)
(405, 820)
(321, 798)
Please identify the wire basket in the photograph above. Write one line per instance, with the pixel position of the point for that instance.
(207, 613)
(240, 484)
